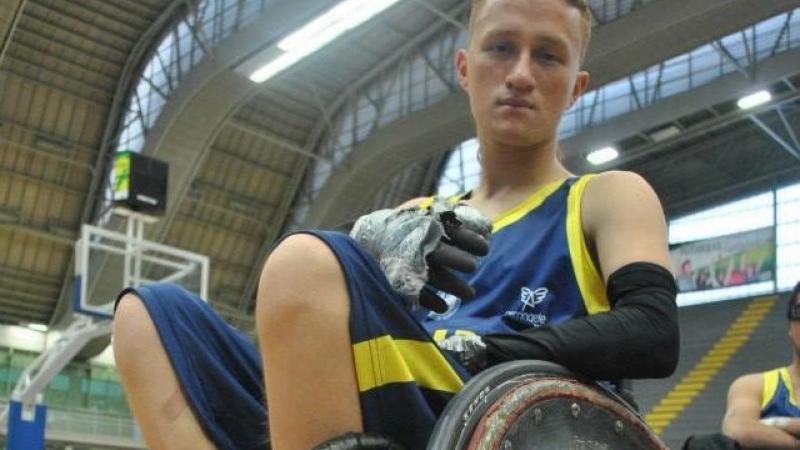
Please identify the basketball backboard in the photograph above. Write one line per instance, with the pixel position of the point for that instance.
(107, 262)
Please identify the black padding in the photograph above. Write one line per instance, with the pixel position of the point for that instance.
(716, 441)
(638, 338)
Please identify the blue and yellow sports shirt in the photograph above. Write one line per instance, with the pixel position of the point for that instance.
(538, 270)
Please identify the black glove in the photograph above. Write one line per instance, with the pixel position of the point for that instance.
(470, 351)
(458, 250)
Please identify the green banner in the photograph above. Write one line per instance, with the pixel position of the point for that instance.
(732, 260)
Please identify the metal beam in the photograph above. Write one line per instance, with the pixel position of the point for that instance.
(252, 163)
(100, 57)
(794, 151)
(37, 232)
(442, 14)
(37, 69)
(42, 182)
(48, 23)
(286, 145)
(46, 154)
(80, 97)
(672, 108)
(56, 9)
(10, 14)
(788, 127)
(223, 209)
(692, 133)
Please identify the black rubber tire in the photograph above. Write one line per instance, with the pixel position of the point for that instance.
(457, 424)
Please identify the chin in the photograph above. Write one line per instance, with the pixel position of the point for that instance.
(515, 136)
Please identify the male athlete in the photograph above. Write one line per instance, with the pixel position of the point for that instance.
(577, 272)
(763, 410)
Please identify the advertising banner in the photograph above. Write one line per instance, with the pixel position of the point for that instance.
(732, 260)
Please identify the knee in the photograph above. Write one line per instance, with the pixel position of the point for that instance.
(299, 277)
(133, 333)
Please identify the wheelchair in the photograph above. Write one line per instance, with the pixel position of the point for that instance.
(537, 405)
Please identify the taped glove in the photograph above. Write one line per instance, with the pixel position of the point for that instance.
(418, 246)
(469, 351)
(459, 250)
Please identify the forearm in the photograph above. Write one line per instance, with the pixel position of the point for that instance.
(648, 349)
(790, 425)
(637, 339)
(755, 435)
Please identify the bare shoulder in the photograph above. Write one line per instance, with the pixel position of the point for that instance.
(617, 186)
(617, 196)
(623, 221)
(750, 384)
(413, 203)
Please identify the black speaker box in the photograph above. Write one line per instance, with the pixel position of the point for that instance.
(140, 183)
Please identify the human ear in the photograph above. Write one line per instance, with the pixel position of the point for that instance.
(461, 67)
(581, 83)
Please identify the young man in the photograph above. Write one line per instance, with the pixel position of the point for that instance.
(577, 274)
(763, 410)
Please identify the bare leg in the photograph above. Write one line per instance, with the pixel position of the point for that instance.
(150, 384)
(304, 335)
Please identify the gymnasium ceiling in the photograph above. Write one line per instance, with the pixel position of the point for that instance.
(240, 154)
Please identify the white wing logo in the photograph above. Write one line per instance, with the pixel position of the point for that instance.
(533, 298)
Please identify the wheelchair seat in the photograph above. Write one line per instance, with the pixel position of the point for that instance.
(538, 405)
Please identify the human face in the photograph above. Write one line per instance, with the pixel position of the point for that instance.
(521, 69)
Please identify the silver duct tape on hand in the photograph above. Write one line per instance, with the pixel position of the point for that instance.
(401, 239)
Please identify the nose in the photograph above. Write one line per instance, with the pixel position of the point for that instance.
(520, 79)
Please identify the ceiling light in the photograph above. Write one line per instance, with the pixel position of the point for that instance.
(316, 34)
(662, 134)
(753, 100)
(602, 156)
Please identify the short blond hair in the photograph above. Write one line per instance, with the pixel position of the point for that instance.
(580, 5)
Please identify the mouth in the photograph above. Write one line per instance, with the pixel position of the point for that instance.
(515, 103)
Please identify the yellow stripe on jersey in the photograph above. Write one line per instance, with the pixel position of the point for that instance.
(529, 204)
(593, 289)
(426, 203)
(787, 381)
(383, 360)
(770, 386)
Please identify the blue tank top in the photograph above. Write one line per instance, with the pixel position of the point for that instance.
(778, 394)
(538, 270)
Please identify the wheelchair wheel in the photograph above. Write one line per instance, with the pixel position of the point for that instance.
(539, 405)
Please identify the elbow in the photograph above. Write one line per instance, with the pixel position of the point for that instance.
(738, 433)
(667, 342)
(665, 351)
(672, 351)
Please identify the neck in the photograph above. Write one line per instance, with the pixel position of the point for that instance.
(508, 170)
(794, 367)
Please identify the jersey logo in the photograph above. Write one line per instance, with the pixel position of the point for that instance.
(532, 298)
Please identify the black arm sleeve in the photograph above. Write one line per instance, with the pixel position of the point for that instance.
(638, 338)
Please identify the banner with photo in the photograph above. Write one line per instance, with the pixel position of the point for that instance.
(724, 261)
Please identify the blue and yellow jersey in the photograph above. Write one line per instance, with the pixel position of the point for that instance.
(538, 270)
(777, 398)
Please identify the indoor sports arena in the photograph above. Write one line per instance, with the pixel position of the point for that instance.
(399, 224)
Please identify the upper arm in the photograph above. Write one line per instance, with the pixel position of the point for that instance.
(624, 222)
(744, 404)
